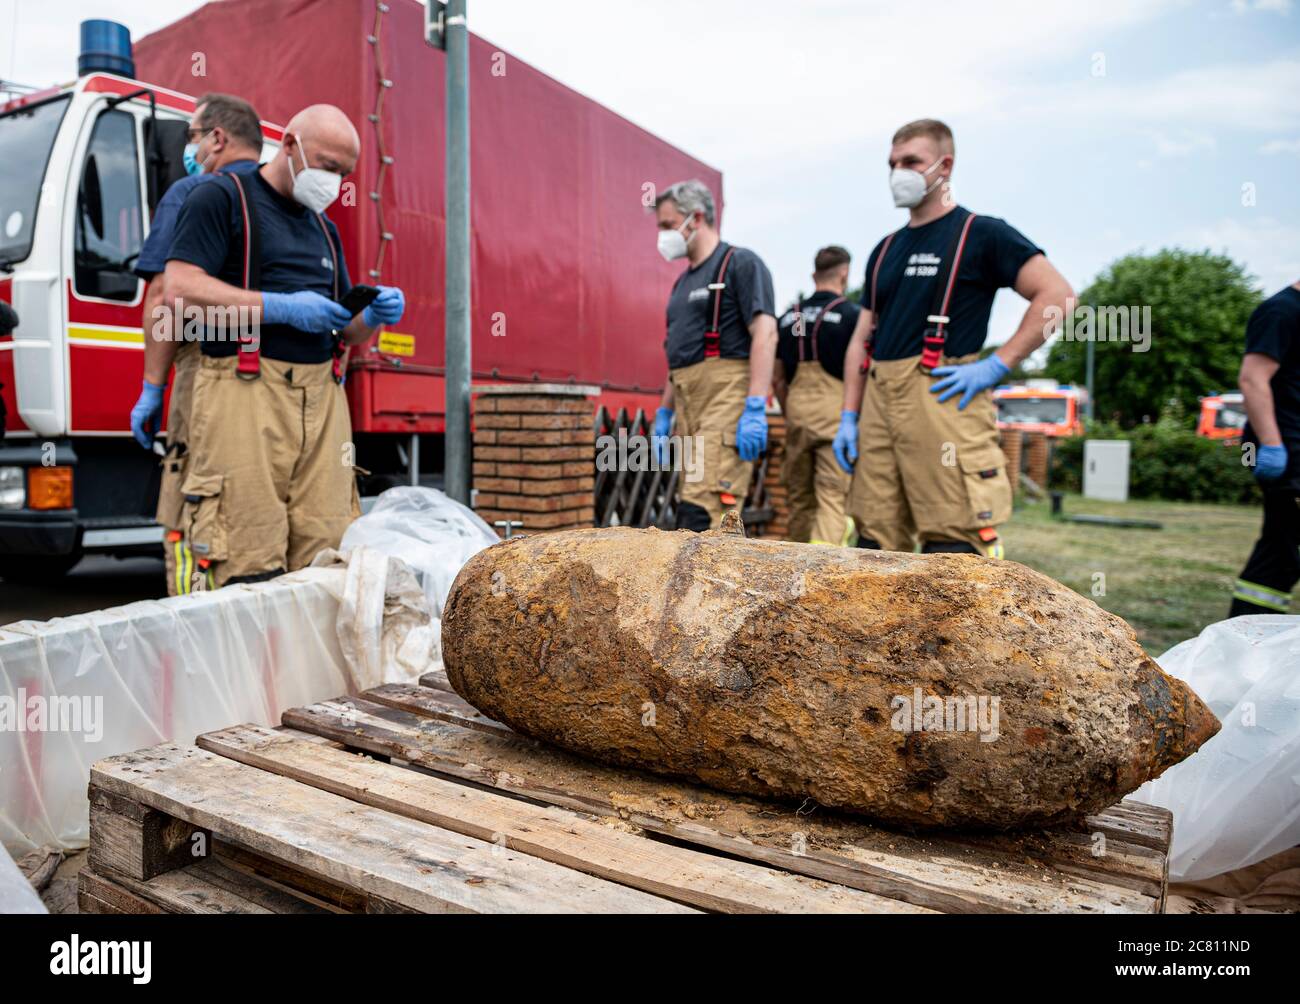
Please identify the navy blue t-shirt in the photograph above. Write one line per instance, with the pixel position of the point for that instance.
(153, 256)
(905, 288)
(1274, 331)
(294, 256)
(749, 293)
(833, 334)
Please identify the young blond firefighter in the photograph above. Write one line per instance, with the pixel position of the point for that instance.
(813, 337)
(721, 343)
(928, 465)
(270, 481)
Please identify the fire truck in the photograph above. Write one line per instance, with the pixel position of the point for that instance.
(1041, 406)
(567, 284)
(1223, 416)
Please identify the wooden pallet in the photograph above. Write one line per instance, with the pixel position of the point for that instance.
(406, 799)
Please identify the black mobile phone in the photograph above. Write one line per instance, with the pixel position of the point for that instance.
(358, 298)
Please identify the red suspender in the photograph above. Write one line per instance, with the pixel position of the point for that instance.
(875, 318)
(249, 366)
(713, 336)
(932, 351)
(818, 326)
(340, 347)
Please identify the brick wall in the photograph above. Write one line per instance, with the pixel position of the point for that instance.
(535, 455)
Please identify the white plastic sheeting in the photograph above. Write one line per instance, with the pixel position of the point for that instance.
(429, 531)
(1236, 801)
(82, 688)
(76, 689)
(16, 893)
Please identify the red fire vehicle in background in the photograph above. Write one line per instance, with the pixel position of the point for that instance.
(567, 285)
(1041, 406)
(1223, 416)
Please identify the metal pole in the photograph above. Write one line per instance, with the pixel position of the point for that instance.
(458, 251)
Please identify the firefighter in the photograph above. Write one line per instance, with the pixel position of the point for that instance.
(721, 344)
(270, 480)
(1270, 383)
(809, 383)
(224, 135)
(925, 457)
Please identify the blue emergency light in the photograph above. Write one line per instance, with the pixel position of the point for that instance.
(105, 47)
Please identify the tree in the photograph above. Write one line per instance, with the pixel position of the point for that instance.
(1194, 332)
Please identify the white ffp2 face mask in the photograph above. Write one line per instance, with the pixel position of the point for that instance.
(672, 245)
(314, 187)
(909, 186)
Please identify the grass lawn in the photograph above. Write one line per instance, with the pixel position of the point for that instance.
(1167, 583)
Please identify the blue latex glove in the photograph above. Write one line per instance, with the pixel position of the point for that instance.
(305, 310)
(146, 416)
(659, 438)
(1270, 462)
(386, 308)
(751, 430)
(969, 379)
(846, 441)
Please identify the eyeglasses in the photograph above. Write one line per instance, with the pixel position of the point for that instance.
(190, 136)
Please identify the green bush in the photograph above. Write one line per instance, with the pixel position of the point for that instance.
(1167, 460)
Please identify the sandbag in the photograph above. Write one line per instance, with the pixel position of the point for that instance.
(919, 690)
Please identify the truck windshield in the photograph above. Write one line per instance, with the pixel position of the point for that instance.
(26, 138)
(1032, 410)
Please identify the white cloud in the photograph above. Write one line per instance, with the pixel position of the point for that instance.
(1182, 145)
(1281, 146)
(1276, 6)
(1268, 247)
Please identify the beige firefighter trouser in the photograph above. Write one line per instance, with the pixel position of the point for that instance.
(926, 470)
(815, 482)
(709, 398)
(271, 480)
(178, 561)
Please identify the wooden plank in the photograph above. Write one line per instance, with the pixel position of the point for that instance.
(413, 864)
(437, 680)
(208, 887)
(1130, 828)
(441, 705)
(928, 871)
(96, 894)
(554, 834)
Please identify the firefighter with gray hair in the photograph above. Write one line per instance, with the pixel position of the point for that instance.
(721, 344)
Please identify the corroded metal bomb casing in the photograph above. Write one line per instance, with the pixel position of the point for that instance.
(919, 690)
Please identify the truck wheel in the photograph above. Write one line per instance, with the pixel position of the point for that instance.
(37, 569)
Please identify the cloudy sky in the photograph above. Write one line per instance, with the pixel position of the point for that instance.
(1096, 128)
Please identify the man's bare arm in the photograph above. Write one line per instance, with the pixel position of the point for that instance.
(189, 283)
(1044, 287)
(780, 386)
(159, 352)
(1255, 379)
(853, 358)
(762, 354)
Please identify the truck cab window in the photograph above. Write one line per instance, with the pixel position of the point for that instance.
(109, 227)
(26, 138)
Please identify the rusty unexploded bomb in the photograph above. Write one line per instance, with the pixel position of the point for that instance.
(794, 671)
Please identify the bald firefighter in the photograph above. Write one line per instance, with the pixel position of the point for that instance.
(813, 337)
(927, 467)
(721, 344)
(270, 480)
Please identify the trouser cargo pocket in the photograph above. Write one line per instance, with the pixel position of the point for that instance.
(203, 519)
(988, 492)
